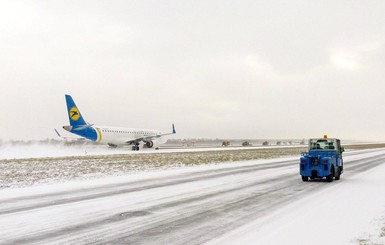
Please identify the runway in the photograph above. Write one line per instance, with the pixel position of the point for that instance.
(182, 206)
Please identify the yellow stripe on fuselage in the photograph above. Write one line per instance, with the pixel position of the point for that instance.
(99, 135)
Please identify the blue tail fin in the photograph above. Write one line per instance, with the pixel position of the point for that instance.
(76, 119)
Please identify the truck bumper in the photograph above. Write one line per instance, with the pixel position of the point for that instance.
(315, 171)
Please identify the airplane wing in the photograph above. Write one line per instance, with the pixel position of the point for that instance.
(144, 138)
(160, 135)
(150, 137)
(173, 132)
(136, 140)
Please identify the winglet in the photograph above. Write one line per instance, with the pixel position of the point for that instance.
(173, 129)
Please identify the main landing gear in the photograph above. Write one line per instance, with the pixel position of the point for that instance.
(135, 147)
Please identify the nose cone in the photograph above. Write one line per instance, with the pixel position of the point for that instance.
(68, 128)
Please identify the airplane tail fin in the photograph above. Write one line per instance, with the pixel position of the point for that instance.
(75, 118)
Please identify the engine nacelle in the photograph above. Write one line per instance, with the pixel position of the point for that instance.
(149, 144)
(68, 128)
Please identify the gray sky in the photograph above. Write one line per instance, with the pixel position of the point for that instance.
(217, 69)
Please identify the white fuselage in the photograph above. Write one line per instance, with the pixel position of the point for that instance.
(122, 136)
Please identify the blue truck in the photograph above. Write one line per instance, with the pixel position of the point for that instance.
(323, 159)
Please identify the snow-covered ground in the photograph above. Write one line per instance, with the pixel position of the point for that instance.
(58, 150)
(62, 150)
(350, 212)
(244, 202)
(22, 171)
(9, 151)
(241, 202)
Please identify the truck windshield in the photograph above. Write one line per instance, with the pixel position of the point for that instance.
(321, 144)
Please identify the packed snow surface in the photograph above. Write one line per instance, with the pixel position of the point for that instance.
(242, 202)
(348, 212)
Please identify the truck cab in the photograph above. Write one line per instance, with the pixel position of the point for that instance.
(323, 159)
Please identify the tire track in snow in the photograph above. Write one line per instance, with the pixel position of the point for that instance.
(256, 206)
(118, 189)
(147, 211)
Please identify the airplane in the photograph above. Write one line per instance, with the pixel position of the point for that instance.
(112, 136)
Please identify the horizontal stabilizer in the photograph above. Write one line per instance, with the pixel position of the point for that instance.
(57, 132)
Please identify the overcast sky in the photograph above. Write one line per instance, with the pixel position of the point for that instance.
(217, 69)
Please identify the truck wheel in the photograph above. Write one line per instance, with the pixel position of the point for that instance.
(330, 177)
(305, 178)
(338, 176)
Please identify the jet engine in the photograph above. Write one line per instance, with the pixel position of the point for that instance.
(149, 144)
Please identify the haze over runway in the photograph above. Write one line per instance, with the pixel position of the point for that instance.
(217, 69)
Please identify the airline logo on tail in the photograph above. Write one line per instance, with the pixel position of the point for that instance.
(74, 113)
